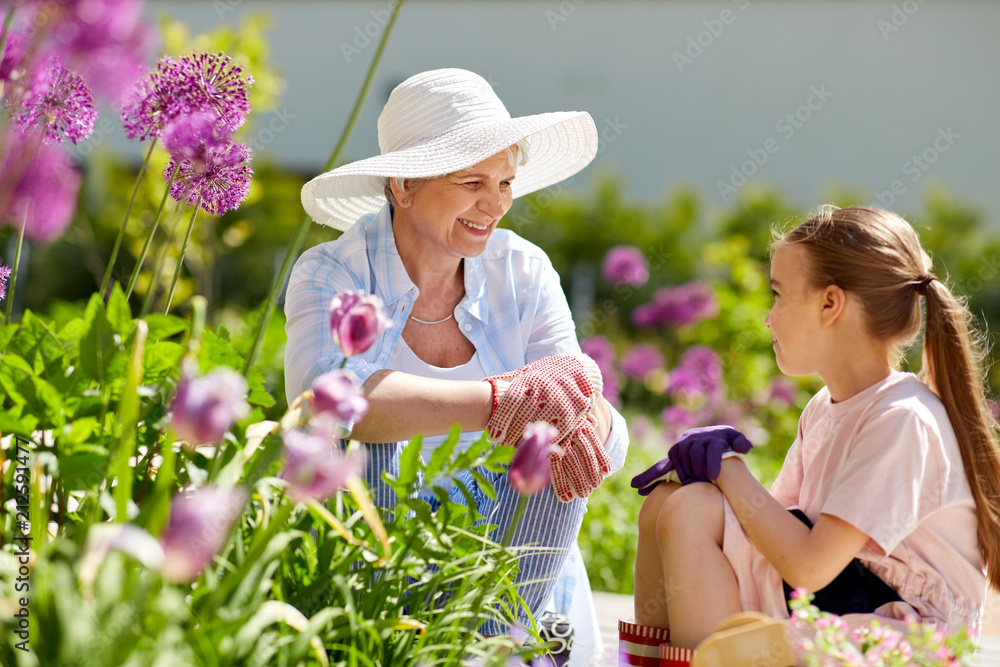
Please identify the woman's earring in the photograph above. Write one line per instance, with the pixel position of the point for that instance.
(405, 202)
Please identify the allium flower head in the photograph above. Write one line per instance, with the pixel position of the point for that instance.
(699, 373)
(315, 467)
(205, 408)
(676, 420)
(189, 84)
(59, 103)
(625, 265)
(602, 352)
(641, 360)
(192, 136)
(530, 471)
(200, 523)
(44, 198)
(13, 55)
(217, 182)
(677, 306)
(356, 320)
(4, 276)
(337, 393)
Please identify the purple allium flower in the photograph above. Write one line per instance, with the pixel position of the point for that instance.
(676, 420)
(200, 523)
(315, 467)
(58, 102)
(13, 55)
(699, 372)
(205, 408)
(106, 41)
(640, 360)
(4, 276)
(191, 83)
(356, 320)
(600, 350)
(625, 265)
(339, 394)
(529, 470)
(677, 306)
(192, 136)
(220, 181)
(44, 199)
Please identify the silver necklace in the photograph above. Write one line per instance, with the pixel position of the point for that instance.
(435, 322)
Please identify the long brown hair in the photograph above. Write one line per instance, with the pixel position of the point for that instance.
(877, 256)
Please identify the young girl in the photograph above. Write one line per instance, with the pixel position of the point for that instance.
(895, 478)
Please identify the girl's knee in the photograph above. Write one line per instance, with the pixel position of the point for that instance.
(692, 509)
(650, 509)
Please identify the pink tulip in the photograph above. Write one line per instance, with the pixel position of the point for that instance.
(337, 393)
(356, 319)
(316, 468)
(529, 471)
(200, 523)
(205, 408)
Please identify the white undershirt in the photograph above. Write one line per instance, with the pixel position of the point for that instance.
(405, 360)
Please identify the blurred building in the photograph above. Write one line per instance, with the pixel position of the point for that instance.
(884, 98)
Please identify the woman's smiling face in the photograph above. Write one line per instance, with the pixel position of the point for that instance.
(455, 214)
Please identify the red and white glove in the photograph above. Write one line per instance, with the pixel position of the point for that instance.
(559, 390)
(582, 464)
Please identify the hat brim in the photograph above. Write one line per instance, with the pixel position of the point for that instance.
(559, 145)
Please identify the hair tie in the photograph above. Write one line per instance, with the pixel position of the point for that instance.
(921, 285)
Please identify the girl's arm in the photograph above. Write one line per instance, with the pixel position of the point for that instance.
(804, 557)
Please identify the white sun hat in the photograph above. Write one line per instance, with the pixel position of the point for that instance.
(439, 122)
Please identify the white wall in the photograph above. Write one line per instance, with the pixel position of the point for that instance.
(887, 81)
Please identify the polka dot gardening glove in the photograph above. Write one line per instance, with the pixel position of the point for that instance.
(559, 390)
(582, 464)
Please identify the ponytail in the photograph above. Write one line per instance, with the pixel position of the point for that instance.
(952, 369)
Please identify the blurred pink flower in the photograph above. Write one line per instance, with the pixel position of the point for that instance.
(602, 352)
(218, 180)
(200, 523)
(994, 406)
(782, 391)
(4, 276)
(529, 470)
(699, 372)
(44, 197)
(625, 265)
(339, 394)
(356, 320)
(205, 408)
(315, 467)
(677, 306)
(676, 420)
(640, 360)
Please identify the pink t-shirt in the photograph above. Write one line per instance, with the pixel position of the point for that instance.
(886, 461)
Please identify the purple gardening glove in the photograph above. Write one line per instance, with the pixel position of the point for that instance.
(696, 457)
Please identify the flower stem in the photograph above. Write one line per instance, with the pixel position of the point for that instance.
(152, 231)
(154, 282)
(8, 20)
(300, 234)
(522, 503)
(180, 259)
(128, 213)
(13, 270)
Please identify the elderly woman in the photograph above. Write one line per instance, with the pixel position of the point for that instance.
(468, 302)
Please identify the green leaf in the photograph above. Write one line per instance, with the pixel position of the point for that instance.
(162, 359)
(83, 471)
(119, 313)
(13, 361)
(164, 326)
(216, 351)
(36, 343)
(13, 420)
(98, 345)
(259, 395)
(78, 432)
(442, 454)
(409, 463)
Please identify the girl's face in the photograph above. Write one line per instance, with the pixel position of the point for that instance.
(794, 319)
(454, 215)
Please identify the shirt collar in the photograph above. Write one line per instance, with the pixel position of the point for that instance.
(392, 282)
